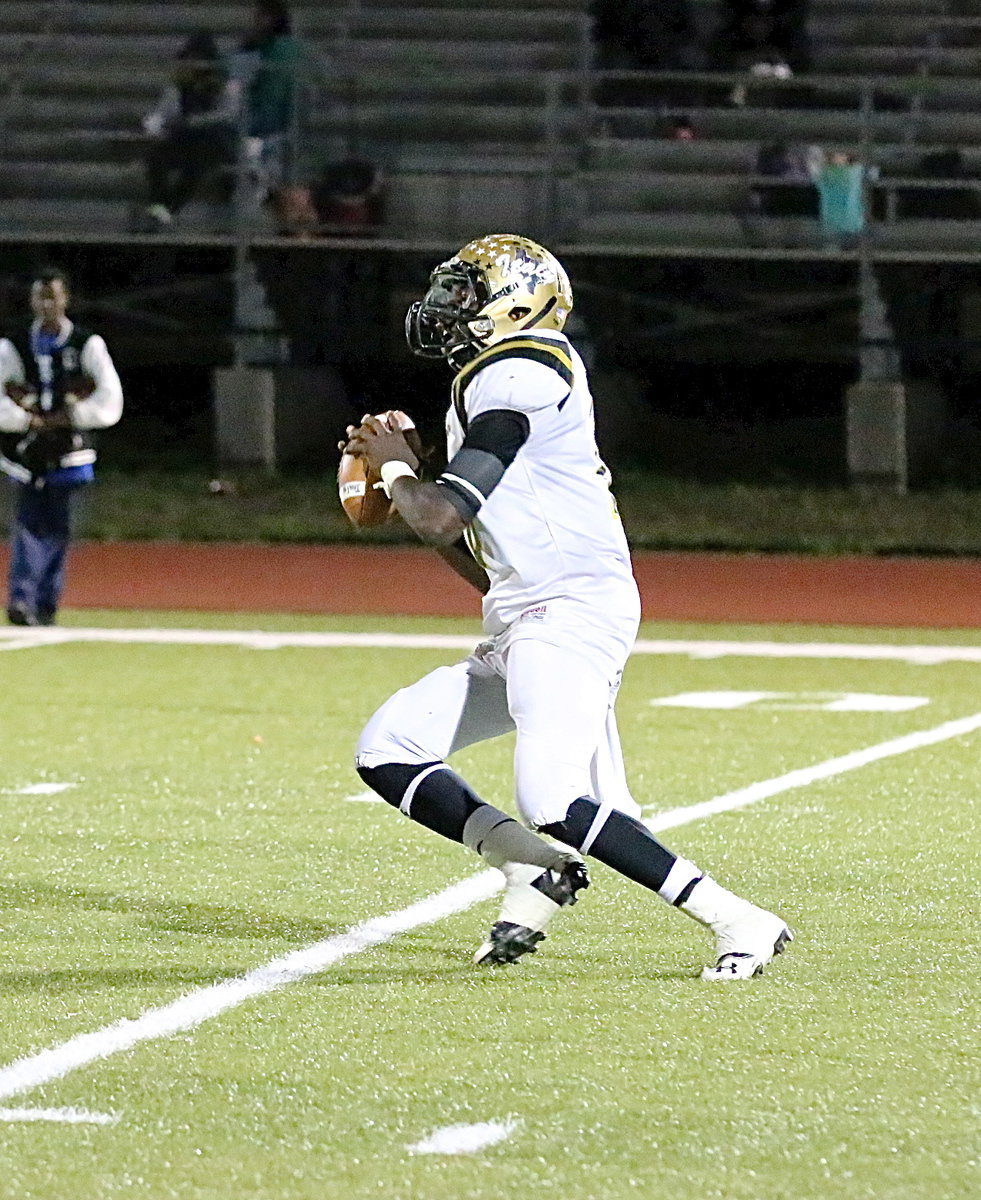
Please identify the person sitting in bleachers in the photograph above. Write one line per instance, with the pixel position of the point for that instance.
(192, 130)
(783, 212)
(841, 185)
(794, 170)
(267, 66)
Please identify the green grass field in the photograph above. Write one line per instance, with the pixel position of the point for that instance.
(659, 513)
(208, 831)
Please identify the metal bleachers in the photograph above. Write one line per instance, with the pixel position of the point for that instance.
(493, 115)
(430, 90)
(891, 82)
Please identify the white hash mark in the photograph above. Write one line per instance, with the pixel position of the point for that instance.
(464, 1139)
(40, 789)
(69, 1116)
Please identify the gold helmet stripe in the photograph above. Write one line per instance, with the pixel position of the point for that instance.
(546, 308)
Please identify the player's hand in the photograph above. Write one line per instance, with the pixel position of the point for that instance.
(376, 442)
(396, 419)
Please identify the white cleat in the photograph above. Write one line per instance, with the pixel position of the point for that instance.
(746, 944)
(532, 897)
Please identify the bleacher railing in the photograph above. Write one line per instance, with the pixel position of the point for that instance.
(896, 120)
(572, 116)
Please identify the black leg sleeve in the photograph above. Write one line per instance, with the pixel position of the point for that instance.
(623, 843)
(442, 801)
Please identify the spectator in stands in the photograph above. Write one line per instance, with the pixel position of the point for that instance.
(783, 212)
(193, 130)
(841, 190)
(268, 64)
(796, 168)
(57, 384)
(682, 129)
(350, 194)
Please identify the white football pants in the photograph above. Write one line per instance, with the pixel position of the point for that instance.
(555, 687)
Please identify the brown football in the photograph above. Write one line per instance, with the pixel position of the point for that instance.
(363, 499)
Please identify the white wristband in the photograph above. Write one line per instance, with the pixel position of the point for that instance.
(394, 469)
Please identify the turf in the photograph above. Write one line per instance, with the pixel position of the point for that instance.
(208, 832)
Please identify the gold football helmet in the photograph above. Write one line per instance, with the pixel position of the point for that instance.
(497, 285)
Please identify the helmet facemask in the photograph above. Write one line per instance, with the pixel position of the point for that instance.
(441, 325)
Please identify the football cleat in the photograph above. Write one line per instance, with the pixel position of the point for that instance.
(746, 944)
(532, 897)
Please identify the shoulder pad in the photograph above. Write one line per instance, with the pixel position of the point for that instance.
(530, 346)
(539, 349)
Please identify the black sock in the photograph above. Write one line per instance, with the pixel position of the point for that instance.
(623, 843)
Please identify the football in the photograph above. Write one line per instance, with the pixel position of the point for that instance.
(363, 499)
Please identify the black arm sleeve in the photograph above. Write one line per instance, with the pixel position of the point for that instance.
(490, 447)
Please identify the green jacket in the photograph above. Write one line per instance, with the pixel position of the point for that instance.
(271, 91)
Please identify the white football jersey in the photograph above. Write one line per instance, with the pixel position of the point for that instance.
(549, 534)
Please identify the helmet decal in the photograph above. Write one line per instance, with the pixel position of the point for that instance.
(532, 271)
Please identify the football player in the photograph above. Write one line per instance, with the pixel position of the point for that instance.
(525, 513)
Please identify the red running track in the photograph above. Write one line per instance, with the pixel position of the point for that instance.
(942, 593)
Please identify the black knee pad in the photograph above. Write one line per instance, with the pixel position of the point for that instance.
(443, 801)
(391, 780)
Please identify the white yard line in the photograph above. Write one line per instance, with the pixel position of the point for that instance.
(833, 702)
(16, 639)
(923, 656)
(805, 775)
(39, 789)
(68, 1116)
(256, 639)
(263, 640)
(198, 1006)
(464, 1139)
